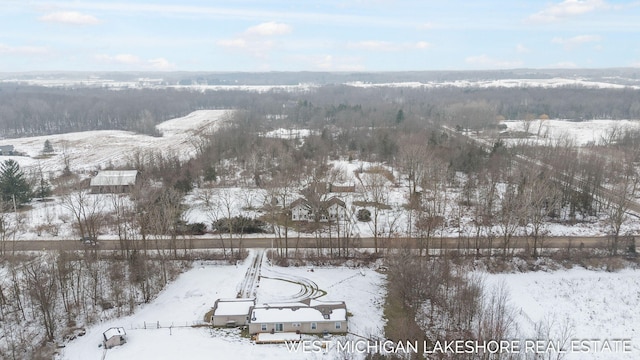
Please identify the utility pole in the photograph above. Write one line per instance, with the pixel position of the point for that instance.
(15, 230)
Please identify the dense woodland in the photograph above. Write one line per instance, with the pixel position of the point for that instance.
(33, 110)
(397, 127)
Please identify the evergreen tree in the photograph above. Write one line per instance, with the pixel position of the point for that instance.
(48, 148)
(13, 183)
(400, 117)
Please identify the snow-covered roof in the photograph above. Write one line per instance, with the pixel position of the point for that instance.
(227, 307)
(115, 178)
(296, 312)
(114, 331)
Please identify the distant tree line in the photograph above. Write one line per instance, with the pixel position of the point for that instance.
(33, 110)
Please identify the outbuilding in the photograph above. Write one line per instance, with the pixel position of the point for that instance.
(232, 312)
(114, 181)
(114, 336)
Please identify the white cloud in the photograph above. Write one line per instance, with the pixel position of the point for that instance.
(232, 43)
(121, 59)
(570, 43)
(387, 46)
(23, 50)
(426, 26)
(568, 8)
(161, 64)
(269, 29)
(257, 40)
(486, 62)
(70, 17)
(332, 63)
(422, 45)
(522, 49)
(135, 62)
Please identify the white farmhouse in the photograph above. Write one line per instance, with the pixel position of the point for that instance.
(330, 210)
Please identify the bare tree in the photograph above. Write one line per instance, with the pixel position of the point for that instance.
(541, 198)
(375, 193)
(86, 209)
(509, 215)
(43, 291)
(620, 201)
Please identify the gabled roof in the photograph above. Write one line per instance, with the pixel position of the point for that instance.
(299, 202)
(114, 331)
(115, 178)
(298, 312)
(229, 307)
(336, 201)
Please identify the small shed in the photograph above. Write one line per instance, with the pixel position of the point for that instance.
(6, 150)
(232, 312)
(114, 336)
(114, 181)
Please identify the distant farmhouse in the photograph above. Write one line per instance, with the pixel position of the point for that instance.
(114, 181)
(114, 337)
(330, 210)
(306, 317)
(325, 188)
(6, 150)
(232, 312)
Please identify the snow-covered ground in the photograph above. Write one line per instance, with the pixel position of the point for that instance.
(91, 150)
(289, 133)
(502, 83)
(185, 302)
(593, 305)
(578, 133)
(604, 83)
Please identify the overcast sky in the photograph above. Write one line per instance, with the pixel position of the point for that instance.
(317, 35)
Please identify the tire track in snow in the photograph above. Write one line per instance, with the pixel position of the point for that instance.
(249, 284)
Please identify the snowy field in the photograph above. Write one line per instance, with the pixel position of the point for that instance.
(594, 304)
(91, 150)
(502, 83)
(604, 83)
(185, 302)
(578, 133)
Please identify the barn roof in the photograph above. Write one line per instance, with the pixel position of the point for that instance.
(115, 178)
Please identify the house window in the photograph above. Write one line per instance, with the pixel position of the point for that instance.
(314, 326)
(263, 327)
(280, 327)
(338, 325)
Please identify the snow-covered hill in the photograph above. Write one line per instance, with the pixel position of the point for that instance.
(92, 150)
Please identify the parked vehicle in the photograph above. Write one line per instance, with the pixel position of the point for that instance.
(89, 241)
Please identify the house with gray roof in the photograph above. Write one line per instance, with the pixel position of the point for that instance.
(309, 317)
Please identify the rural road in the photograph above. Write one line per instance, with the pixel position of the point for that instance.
(265, 243)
